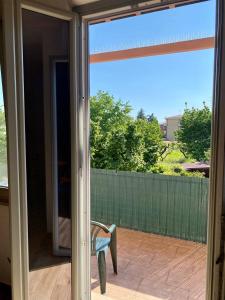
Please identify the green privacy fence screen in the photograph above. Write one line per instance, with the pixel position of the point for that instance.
(167, 205)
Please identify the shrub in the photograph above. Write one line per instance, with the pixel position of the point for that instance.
(174, 170)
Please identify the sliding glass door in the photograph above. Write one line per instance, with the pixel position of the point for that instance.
(45, 112)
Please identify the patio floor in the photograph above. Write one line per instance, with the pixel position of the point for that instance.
(150, 267)
(153, 267)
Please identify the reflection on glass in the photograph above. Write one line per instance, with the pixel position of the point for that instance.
(46, 90)
(3, 146)
(5, 248)
(62, 101)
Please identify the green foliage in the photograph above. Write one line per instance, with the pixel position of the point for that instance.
(141, 114)
(208, 155)
(195, 132)
(152, 139)
(151, 118)
(173, 154)
(119, 141)
(171, 160)
(174, 170)
(170, 153)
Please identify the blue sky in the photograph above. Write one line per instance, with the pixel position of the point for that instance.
(159, 84)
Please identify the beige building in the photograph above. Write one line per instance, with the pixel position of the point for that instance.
(172, 125)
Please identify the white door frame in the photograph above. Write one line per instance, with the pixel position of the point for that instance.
(15, 118)
(216, 223)
(217, 182)
(80, 158)
(12, 23)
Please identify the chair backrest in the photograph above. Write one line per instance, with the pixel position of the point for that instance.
(95, 229)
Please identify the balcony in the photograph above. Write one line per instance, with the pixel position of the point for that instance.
(153, 267)
(162, 226)
(150, 267)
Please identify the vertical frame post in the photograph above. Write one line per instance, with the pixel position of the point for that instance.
(86, 134)
(216, 200)
(15, 118)
(80, 164)
(17, 155)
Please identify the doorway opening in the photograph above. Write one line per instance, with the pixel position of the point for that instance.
(151, 87)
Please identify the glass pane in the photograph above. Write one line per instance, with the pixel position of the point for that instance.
(150, 129)
(47, 110)
(5, 249)
(3, 140)
(63, 152)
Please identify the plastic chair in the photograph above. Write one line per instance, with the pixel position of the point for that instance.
(100, 247)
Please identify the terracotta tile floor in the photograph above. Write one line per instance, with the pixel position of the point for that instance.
(153, 267)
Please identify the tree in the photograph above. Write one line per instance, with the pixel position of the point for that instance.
(119, 141)
(126, 149)
(141, 114)
(109, 119)
(152, 140)
(151, 118)
(194, 134)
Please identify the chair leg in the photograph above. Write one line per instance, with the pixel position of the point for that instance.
(102, 271)
(113, 250)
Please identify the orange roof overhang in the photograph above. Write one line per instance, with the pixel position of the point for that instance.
(153, 50)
